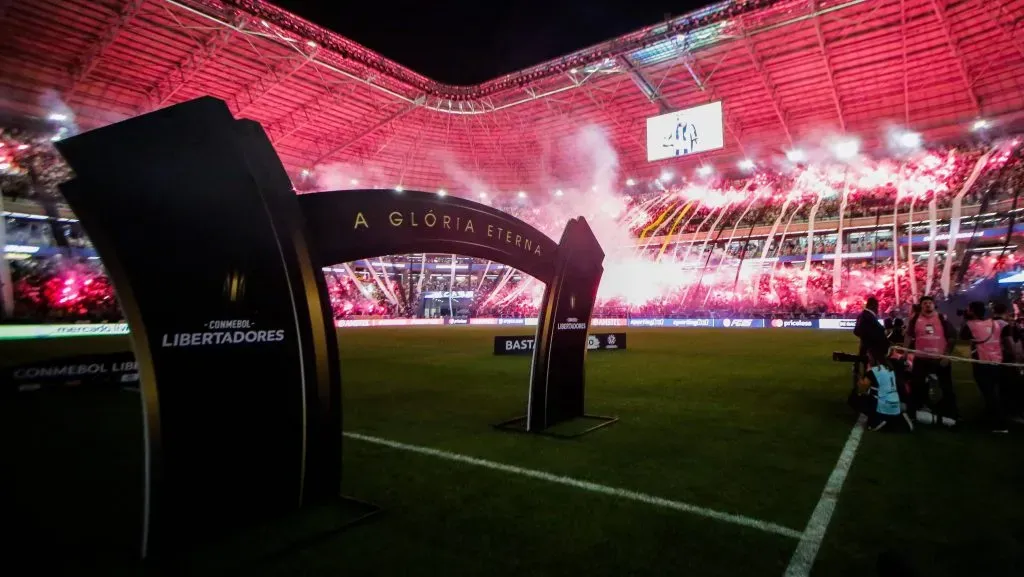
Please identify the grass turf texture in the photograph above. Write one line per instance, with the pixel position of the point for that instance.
(746, 422)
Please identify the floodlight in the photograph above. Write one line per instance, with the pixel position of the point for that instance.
(846, 149)
(910, 140)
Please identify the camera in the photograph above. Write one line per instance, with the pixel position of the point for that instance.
(840, 357)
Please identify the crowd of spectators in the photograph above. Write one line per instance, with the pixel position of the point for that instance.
(872, 188)
(30, 167)
(59, 289)
(62, 290)
(68, 288)
(350, 298)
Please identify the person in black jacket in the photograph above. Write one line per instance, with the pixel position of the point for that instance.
(871, 332)
(872, 337)
(897, 334)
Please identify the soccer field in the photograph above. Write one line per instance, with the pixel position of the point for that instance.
(719, 464)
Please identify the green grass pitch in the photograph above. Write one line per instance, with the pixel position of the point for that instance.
(749, 422)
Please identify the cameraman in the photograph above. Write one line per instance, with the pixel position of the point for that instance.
(877, 397)
(932, 336)
(992, 341)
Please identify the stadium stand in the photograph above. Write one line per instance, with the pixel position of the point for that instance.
(61, 283)
(783, 233)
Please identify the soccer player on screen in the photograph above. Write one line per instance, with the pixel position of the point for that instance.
(683, 139)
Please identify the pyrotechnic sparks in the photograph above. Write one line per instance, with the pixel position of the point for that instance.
(764, 242)
(696, 251)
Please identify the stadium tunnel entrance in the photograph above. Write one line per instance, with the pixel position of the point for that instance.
(346, 226)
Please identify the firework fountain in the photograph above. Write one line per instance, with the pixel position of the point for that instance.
(679, 251)
(687, 246)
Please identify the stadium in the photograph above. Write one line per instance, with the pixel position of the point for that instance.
(754, 172)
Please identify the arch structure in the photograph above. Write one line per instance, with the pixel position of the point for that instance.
(349, 225)
(236, 347)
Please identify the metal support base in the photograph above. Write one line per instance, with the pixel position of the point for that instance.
(270, 541)
(358, 513)
(518, 425)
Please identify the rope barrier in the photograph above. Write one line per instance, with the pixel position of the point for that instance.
(955, 358)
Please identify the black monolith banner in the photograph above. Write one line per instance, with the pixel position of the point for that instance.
(558, 363)
(523, 345)
(237, 358)
(518, 345)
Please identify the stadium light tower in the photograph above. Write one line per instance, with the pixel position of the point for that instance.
(846, 149)
(980, 125)
(399, 188)
(746, 164)
(705, 170)
(482, 195)
(442, 192)
(521, 194)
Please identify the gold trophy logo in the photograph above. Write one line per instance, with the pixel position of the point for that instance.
(234, 286)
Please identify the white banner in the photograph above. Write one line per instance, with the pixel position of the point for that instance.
(12, 332)
(607, 322)
(341, 323)
(837, 324)
(684, 132)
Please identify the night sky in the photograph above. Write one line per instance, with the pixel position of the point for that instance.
(461, 42)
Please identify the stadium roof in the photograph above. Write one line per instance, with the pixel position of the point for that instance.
(788, 72)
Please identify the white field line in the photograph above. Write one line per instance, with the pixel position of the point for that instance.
(807, 550)
(585, 485)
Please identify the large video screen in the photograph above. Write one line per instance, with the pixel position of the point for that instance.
(683, 132)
